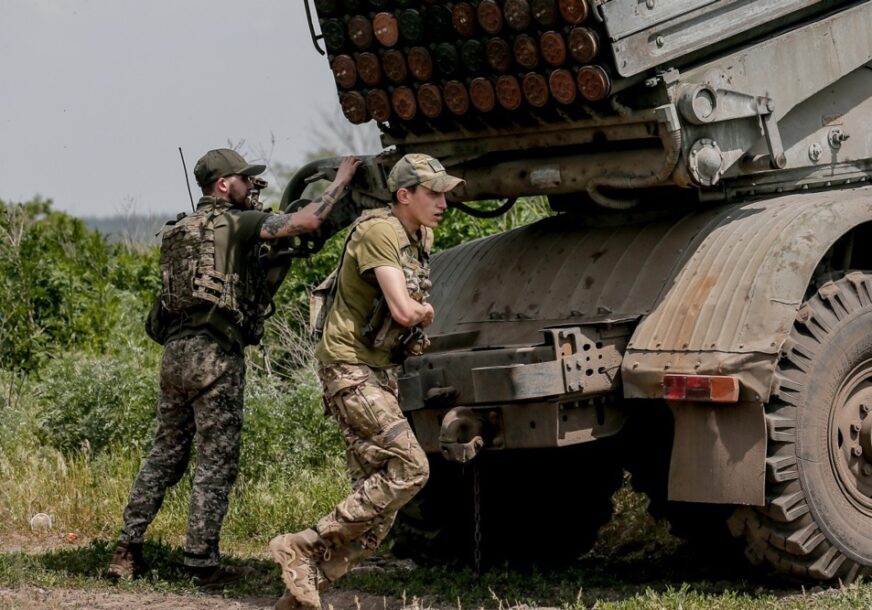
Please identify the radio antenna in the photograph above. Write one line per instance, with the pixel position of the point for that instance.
(187, 180)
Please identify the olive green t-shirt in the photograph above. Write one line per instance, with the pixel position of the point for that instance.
(240, 230)
(374, 243)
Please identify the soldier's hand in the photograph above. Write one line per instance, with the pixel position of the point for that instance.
(429, 315)
(346, 171)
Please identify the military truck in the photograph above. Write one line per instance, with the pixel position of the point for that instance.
(698, 309)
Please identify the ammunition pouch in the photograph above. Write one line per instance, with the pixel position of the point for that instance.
(158, 322)
(411, 342)
(384, 334)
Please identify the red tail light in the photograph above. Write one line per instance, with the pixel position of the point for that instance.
(703, 388)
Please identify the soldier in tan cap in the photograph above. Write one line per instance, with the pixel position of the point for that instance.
(386, 261)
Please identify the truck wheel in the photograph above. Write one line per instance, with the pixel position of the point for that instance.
(817, 521)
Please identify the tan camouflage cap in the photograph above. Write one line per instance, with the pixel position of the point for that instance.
(223, 162)
(417, 168)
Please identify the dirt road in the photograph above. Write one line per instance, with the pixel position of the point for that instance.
(67, 599)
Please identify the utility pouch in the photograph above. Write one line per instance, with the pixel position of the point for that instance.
(411, 342)
(157, 322)
(320, 301)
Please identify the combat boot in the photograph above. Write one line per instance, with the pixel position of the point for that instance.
(126, 562)
(298, 555)
(338, 562)
(287, 602)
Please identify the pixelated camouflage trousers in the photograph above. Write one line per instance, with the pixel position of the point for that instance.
(385, 461)
(201, 392)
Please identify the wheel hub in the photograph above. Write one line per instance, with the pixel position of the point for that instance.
(851, 444)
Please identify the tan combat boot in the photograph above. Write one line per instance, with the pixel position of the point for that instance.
(298, 555)
(338, 562)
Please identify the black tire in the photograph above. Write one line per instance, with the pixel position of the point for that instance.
(817, 521)
(537, 507)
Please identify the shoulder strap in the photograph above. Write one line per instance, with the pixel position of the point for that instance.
(365, 216)
(427, 239)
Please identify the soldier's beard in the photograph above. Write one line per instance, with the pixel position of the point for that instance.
(238, 200)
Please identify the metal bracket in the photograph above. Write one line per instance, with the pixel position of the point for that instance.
(585, 365)
(766, 108)
(705, 104)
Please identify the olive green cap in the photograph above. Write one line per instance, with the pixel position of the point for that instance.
(416, 168)
(223, 162)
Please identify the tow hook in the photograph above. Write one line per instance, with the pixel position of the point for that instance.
(462, 435)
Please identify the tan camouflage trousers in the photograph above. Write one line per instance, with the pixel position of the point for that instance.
(201, 390)
(386, 464)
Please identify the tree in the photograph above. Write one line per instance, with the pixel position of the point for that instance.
(61, 284)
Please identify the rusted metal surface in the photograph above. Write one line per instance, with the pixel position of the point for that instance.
(461, 434)
(731, 307)
(561, 82)
(719, 453)
(503, 290)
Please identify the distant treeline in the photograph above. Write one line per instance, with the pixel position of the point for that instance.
(138, 229)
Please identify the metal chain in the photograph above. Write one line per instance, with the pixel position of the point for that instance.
(476, 494)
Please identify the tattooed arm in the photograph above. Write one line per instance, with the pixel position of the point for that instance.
(310, 217)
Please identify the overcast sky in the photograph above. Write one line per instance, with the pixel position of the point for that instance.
(97, 95)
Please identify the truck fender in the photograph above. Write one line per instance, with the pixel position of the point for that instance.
(728, 311)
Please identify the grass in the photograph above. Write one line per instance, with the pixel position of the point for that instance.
(82, 567)
(295, 474)
(667, 581)
(86, 495)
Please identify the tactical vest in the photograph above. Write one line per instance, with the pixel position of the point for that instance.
(382, 332)
(190, 280)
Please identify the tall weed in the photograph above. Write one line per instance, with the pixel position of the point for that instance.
(285, 426)
(90, 402)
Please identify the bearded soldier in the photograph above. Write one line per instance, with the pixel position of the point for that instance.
(385, 261)
(213, 301)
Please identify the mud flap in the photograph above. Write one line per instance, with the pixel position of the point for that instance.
(719, 453)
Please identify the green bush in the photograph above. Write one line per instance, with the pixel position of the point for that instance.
(285, 427)
(98, 401)
(95, 401)
(16, 410)
(61, 285)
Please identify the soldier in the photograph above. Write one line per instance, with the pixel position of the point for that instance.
(385, 260)
(212, 304)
